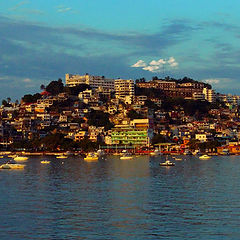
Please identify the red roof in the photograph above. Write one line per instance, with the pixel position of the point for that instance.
(45, 93)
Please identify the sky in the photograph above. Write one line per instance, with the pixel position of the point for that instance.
(42, 40)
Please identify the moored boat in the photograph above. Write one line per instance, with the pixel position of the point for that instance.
(12, 166)
(126, 157)
(91, 157)
(205, 156)
(45, 162)
(61, 156)
(156, 152)
(167, 163)
(20, 158)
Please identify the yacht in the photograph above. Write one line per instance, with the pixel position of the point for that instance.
(20, 158)
(91, 157)
(45, 162)
(12, 166)
(126, 156)
(204, 157)
(156, 152)
(167, 163)
(61, 156)
(100, 152)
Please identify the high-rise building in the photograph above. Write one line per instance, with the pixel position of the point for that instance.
(94, 82)
(124, 89)
(210, 95)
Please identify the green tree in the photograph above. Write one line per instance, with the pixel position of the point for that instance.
(4, 103)
(132, 114)
(55, 87)
(99, 119)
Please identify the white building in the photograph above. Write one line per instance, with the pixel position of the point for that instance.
(124, 90)
(94, 82)
(210, 95)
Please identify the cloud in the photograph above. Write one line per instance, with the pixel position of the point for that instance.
(27, 80)
(139, 63)
(156, 65)
(212, 81)
(18, 5)
(63, 9)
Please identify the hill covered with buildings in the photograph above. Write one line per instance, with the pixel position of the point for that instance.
(88, 111)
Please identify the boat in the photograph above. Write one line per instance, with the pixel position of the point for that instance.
(156, 152)
(20, 158)
(45, 162)
(100, 152)
(91, 157)
(12, 166)
(204, 157)
(61, 156)
(126, 156)
(167, 163)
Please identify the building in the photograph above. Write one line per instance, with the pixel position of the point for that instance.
(209, 94)
(124, 90)
(136, 134)
(94, 82)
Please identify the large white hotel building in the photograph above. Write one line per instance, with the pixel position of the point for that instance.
(124, 89)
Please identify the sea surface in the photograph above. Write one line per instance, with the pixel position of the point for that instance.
(121, 199)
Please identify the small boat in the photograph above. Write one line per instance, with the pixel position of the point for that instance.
(12, 166)
(100, 152)
(126, 156)
(91, 157)
(167, 163)
(156, 152)
(20, 158)
(45, 162)
(204, 157)
(61, 156)
(178, 159)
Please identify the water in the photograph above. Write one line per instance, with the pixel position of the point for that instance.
(121, 199)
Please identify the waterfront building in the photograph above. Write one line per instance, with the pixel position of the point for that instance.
(137, 133)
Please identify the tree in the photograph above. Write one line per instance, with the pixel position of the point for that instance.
(29, 98)
(55, 87)
(132, 114)
(158, 138)
(42, 87)
(99, 119)
(4, 103)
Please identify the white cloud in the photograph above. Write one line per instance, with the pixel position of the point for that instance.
(212, 81)
(139, 63)
(62, 9)
(18, 5)
(152, 68)
(156, 65)
(27, 80)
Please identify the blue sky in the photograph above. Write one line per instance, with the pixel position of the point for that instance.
(40, 41)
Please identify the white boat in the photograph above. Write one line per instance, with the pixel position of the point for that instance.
(45, 162)
(100, 152)
(12, 166)
(204, 157)
(167, 163)
(91, 157)
(126, 156)
(61, 156)
(20, 158)
(156, 152)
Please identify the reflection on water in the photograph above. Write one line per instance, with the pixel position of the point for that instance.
(121, 199)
